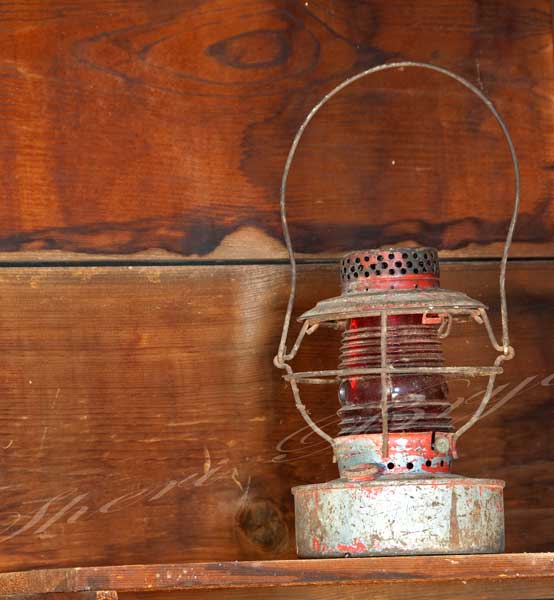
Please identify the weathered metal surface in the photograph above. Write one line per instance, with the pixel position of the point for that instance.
(415, 452)
(409, 301)
(390, 268)
(400, 515)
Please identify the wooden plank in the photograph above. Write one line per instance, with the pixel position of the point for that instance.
(278, 573)
(142, 416)
(487, 589)
(155, 130)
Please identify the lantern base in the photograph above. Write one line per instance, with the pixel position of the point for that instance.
(399, 515)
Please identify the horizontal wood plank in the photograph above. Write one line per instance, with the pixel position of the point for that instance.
(273, 573)
(142, 416)
(159, 130)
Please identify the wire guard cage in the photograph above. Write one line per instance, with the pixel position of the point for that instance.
(380, 301)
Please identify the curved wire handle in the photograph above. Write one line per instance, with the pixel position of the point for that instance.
(282, 356)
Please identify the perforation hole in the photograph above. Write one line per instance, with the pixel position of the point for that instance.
(410, 466)
(390, 466)
(391, 256)
(398, 263)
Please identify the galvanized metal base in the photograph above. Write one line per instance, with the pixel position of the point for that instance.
(400, 515)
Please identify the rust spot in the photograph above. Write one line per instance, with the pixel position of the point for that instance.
(454, 529)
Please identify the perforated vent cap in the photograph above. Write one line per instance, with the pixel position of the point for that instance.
(393, 268)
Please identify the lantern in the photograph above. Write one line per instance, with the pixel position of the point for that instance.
(396, 493)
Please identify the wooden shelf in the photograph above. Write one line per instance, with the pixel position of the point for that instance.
(502, 576)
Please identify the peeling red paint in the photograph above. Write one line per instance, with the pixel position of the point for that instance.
(357, 546)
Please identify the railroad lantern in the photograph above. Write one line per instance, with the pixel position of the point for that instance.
(396, 493)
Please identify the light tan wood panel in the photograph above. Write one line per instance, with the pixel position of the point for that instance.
(142, 419)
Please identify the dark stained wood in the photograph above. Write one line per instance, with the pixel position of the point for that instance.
(159, 129)
(142, 419)
(432, 572)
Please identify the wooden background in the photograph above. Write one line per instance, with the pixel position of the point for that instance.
(144, 282)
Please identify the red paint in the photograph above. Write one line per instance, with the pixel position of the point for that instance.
(357, 546)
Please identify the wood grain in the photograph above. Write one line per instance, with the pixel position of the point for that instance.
(142, 419)
(147, 130)
(432, 571)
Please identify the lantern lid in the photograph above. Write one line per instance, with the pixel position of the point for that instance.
(389, 268)
(409, 301)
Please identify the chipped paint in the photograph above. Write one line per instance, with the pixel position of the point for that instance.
(403, 514)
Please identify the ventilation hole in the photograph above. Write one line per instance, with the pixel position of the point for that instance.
(414, 255)
(360, 267)
(442, 463)
(403, 271)
(426, 255)
(352, 268)
(410, 466)
(372, 266)
(416, 271)
(366, 273)
(391, 271)
(384, 265)
(404, 255)
(348, 260)
(366, 258)
(425, 269)
(357, 259)
(348, 277)
(390, 466)
(398, 264)
(378, 272)
(380, 257)
(391, 256)
(421, 263)
(428, 463)
(356, 275)
(409, 264)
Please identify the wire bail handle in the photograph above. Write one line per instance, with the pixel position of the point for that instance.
(282, 356)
